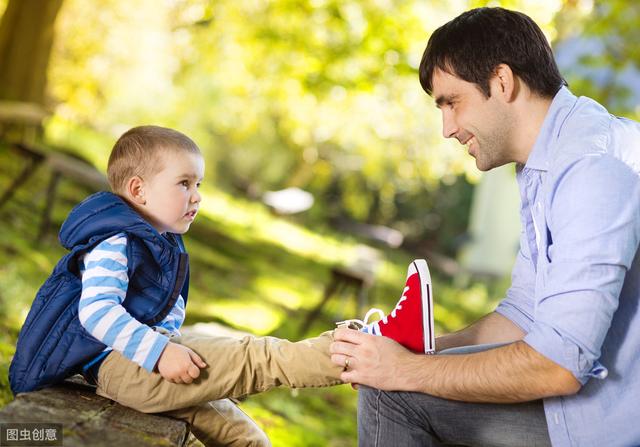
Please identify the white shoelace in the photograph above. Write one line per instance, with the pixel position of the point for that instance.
(382, 316)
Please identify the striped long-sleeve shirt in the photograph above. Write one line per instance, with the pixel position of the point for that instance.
(104, 288)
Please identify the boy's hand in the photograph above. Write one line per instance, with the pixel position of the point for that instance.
(179, 364)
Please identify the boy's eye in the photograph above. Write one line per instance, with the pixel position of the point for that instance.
(185, 183)
(198, 185)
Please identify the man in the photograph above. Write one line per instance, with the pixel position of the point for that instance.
(563, 365)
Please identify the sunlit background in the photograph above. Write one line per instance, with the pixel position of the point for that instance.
(316, 98)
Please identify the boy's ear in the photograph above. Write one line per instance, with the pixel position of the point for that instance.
(135, 190)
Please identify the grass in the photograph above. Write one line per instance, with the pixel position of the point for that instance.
(250, 270)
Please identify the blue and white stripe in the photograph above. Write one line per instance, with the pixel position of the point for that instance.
(104, 288)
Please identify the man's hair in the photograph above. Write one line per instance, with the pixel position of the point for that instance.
(473, 44)
(137, 153)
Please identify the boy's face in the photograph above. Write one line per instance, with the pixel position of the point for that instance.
(171, 196)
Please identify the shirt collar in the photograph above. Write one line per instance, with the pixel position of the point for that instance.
(560, 107)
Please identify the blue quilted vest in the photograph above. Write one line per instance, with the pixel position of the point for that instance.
(52, 344)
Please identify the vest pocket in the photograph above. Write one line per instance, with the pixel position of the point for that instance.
(79, 348)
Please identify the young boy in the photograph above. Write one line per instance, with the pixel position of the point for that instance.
(113, 306)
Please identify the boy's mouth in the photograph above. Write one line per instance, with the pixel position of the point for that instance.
(191, 214)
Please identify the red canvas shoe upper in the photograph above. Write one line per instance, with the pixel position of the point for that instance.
(411, 322)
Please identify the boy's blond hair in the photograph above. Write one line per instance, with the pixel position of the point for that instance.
(137, 153)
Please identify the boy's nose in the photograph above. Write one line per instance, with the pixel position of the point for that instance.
(196, 197)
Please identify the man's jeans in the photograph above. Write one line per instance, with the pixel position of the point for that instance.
(415, 419)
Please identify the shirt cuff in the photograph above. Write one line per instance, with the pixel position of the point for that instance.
(155, 352)
(514, 314)
(551, 344)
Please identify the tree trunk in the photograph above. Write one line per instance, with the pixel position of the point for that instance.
(26, 38)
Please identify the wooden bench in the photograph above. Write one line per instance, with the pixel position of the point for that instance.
(22, 120)
(61, 166)
(357, 276)
(88, 419)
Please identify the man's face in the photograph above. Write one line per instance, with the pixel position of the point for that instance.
(483, 124)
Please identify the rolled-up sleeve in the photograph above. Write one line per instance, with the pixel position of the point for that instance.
(593, 219)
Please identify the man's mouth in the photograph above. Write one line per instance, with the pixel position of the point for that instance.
(463, 136)
(465, 139)
(470, 142)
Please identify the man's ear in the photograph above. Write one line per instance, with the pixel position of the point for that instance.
(504, 83)
(135, 190)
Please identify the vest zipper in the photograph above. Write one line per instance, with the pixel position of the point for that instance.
(183, 267)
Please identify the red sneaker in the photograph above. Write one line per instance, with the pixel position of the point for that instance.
(411, 322)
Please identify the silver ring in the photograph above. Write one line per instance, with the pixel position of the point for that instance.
(346, 363)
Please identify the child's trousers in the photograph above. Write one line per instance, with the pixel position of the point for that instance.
(235, 368)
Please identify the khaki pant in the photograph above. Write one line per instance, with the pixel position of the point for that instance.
(235, 368)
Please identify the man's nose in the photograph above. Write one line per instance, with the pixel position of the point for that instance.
(449, 126)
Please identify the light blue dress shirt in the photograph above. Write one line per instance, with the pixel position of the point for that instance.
(576, 282)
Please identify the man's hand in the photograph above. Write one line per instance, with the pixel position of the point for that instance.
(374, 361)
(507, 374)
(179, 364)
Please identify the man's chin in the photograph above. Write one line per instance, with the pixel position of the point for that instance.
(482, 165)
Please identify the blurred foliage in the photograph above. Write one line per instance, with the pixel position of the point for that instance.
(319, 94)
(604, 36)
